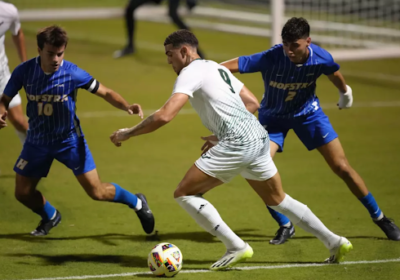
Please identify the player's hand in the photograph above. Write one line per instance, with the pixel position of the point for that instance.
(345, 99)
(3, 118)
(135, 109)
(118, 136)
(211, 141)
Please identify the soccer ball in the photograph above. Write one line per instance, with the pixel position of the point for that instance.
(165, 259)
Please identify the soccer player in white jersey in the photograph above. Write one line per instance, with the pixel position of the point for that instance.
(9, 20)
(226, 108)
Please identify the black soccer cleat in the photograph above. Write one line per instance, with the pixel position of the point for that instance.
(124, 52)
(191, 4)
(389, 228)
(145, 215)
(282, 235)
(45, 227)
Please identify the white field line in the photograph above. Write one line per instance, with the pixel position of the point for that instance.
(195, 271)
(102, 114)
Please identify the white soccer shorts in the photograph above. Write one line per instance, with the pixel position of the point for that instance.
(225, 161)
(4, 77)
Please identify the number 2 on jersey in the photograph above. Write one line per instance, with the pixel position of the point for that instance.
(291, 95)
(226, 79)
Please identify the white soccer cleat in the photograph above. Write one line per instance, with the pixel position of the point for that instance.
(338, 253)
(233, 257)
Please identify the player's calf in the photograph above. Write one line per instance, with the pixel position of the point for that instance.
(112, 192)
(26, 193)
(50, 216)
(101, 192)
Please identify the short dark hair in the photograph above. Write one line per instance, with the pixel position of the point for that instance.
(52, 35)
(182, 37)
(295, 29)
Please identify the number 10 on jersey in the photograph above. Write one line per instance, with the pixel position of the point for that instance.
(46, 109)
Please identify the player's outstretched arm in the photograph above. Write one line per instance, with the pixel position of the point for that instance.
(345, 92)
(4, 102)
(156, 120)
(118, 101)
(249, 100)
(232, 65)
(338, 80)
(19, 42)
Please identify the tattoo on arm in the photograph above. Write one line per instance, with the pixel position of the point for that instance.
(143, 127)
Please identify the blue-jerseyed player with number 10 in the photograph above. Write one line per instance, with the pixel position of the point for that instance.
(289, 72)
(51, 84)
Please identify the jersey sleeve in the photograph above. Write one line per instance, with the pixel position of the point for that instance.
(254, 63)
(84, 80)
(330, 66)
(187, 82)
(15, 23)
(16, 81)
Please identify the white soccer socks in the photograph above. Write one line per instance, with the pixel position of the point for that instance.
(299, 214)
(209, 219)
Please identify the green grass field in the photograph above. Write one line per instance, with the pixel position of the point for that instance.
(40, 4)
(103, 238)
(51, 4)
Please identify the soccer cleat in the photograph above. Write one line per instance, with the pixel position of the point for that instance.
(389, 228)
(282, 235)
(145, 215)
(233, 257)
(338, 253)
(45, 227)
(124, 52)
(191, 4)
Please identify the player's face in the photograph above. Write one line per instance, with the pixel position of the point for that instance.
(178, 57)
(51, 57)
(297, 51)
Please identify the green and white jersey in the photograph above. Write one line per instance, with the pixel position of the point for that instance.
(214, 94)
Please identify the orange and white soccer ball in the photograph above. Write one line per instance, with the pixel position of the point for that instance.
(165, 259)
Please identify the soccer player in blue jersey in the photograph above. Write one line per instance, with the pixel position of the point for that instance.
(51, 84)
(290, 71)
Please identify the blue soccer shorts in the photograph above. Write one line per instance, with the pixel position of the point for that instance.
(314, 130)
(35, 160)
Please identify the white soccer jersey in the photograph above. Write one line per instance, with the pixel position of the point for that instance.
(9, 20)
(214, 94)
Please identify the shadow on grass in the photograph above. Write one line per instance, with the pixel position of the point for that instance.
(111, 238)
(120, 260)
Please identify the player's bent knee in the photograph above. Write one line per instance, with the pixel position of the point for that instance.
(179, 192)
(341, 168)
(22, 195)
(182, 190)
